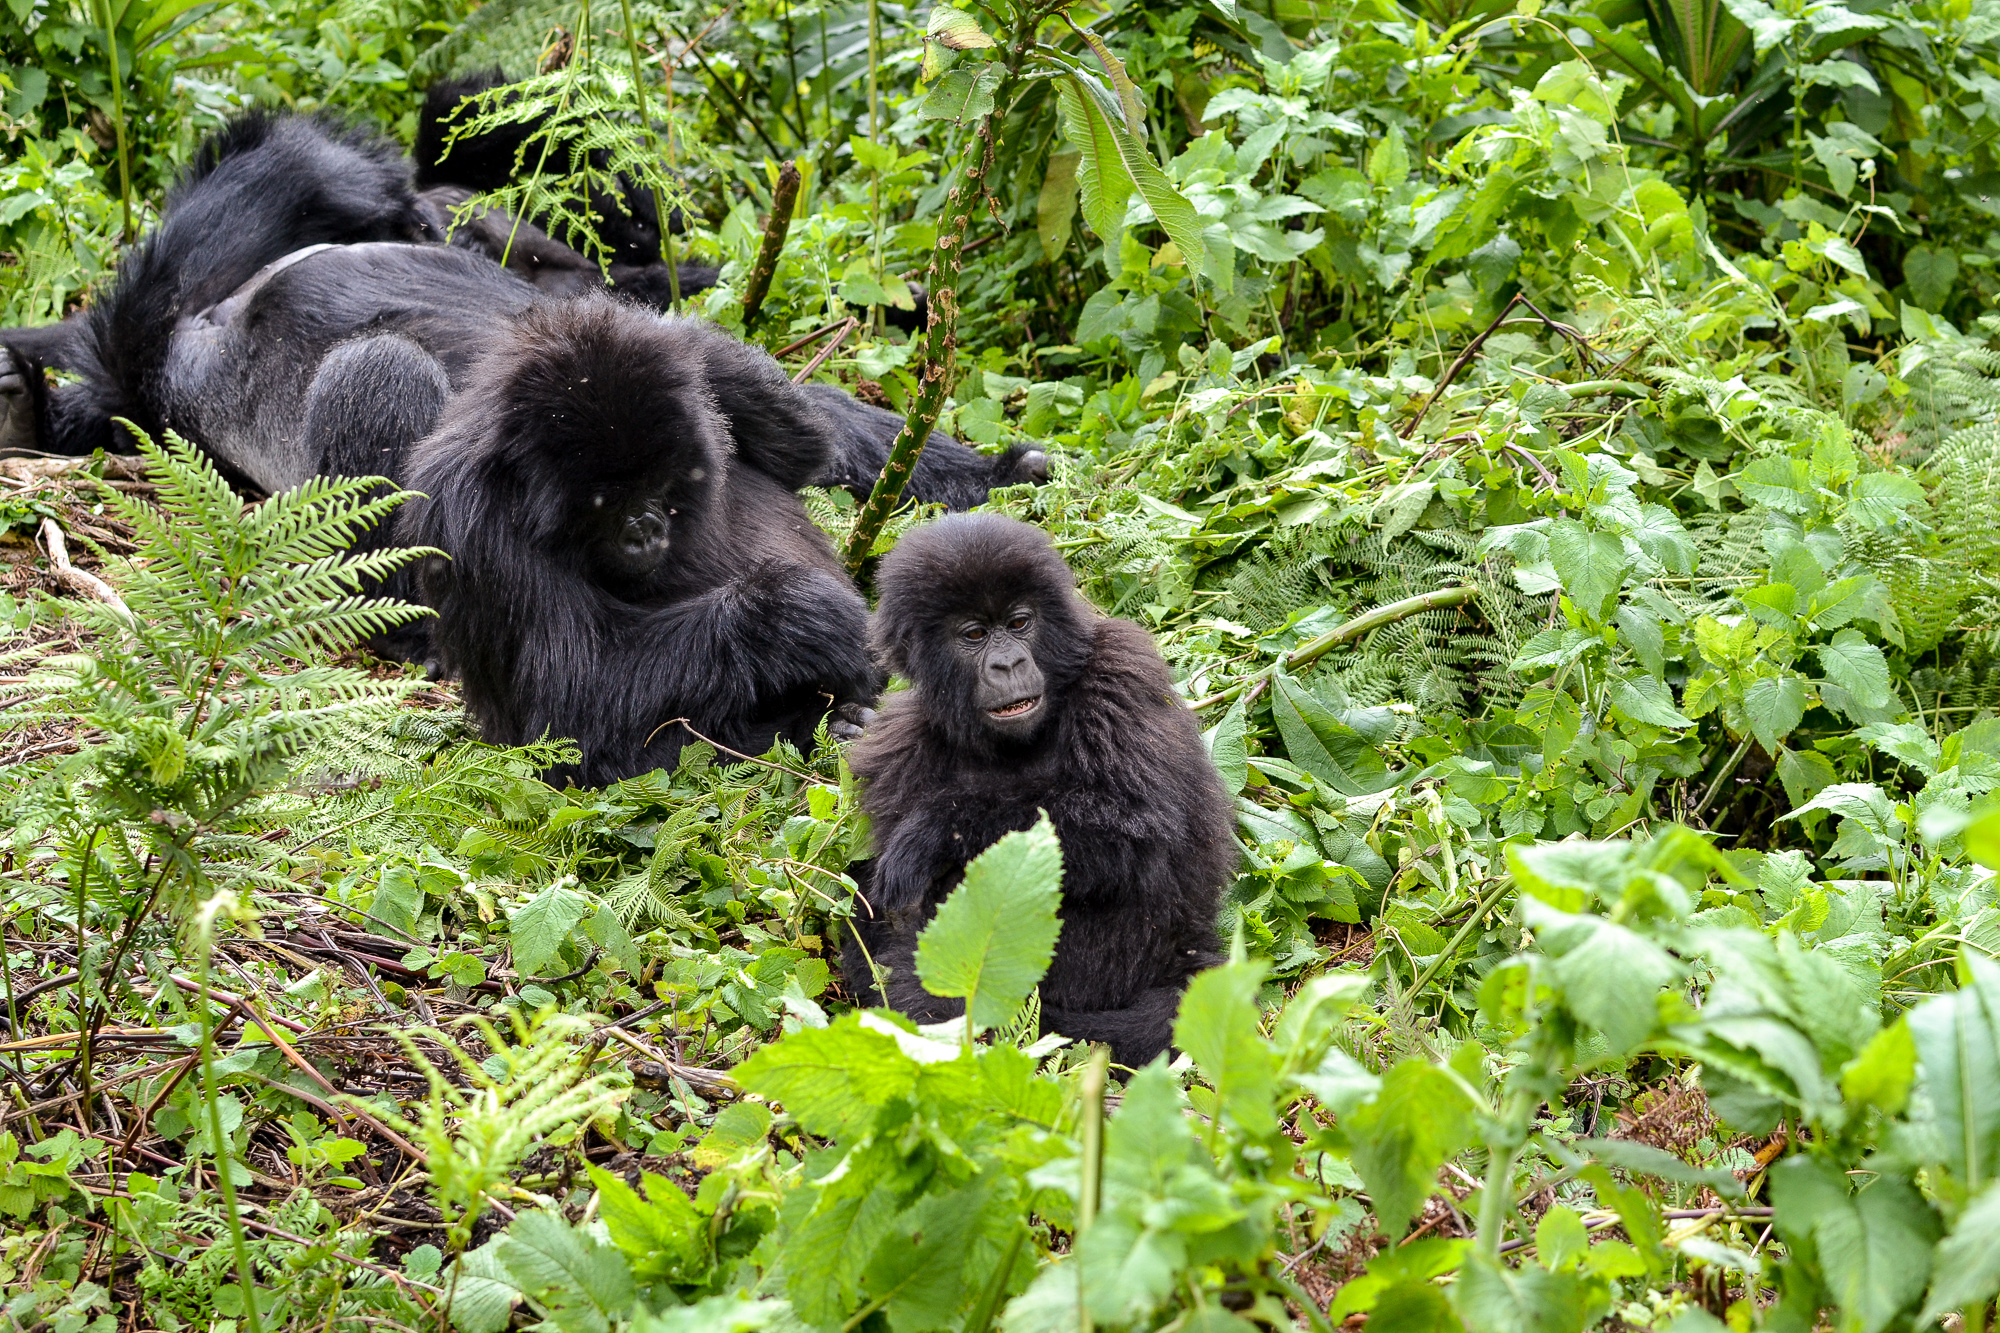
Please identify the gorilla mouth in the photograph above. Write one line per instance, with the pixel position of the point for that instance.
(1019, 708)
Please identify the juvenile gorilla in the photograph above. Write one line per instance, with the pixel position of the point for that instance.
(1023, 699)
(614, 569)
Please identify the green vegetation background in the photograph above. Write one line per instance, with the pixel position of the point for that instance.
(1557, 448)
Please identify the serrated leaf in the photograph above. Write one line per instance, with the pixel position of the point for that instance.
(1773, 706)
(832, 1079)
(1967, 1262)
(583, 1284)
(1648, 700)
(1591, 565)
(660, 1235)
(1609, 975)
(1218, 1026)
(1873, 1248)
(1103, 183)
(1402, 1135)
(1389, 160)
(1857, 666)
(1882, 1074)
(539, 927)
(992, 939)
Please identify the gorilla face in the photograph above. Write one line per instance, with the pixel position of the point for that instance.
(633, 538)
(1006, 683)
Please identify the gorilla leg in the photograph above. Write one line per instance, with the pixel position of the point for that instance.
(947, 472)
(369, 401)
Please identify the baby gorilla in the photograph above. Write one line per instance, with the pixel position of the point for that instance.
(1024, 699)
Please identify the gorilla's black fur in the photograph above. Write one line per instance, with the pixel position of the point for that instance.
(220, 320)
(265, 186)
(981, 614)
(615, 568)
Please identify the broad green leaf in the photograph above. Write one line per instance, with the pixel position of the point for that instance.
(1879, 498)
(1218, 1026)
(733, 1313)
(1857, 666)
(918, 1268)
(964, 93)
(1591, 565)
(539, 927)
(1492, 1297)
(1129, 104)
(956, 29)
(1967, 1262)
(831, 1079)
(1057, 203)
(1648, 700)
(1319, 742)
(583, 1284)
(661, 1234)
(1958, 1072)
(1402, 1135)
(1872, 1248)
(484, 1293)
(1804, 773)
(1389, 160)
(1104, 184)
(1227, 750)
(1609, 975)
(1784, 484)
(1773, 706)
(992, 940)
(1881, 1075)
(399, 899)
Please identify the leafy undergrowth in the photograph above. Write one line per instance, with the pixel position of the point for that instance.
(1578, 546)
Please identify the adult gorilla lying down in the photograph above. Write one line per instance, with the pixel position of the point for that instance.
(259, 198)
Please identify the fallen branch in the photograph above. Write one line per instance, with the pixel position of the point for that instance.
(1312, 650)
(86, 583)
(832, 346)
(1472, 350)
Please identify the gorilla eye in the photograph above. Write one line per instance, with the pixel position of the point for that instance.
(1018, 621)
(975, 633)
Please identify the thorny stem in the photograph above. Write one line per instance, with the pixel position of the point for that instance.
(940, 333)
(784, 197)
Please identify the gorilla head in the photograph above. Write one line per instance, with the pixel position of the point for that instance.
(983, 617)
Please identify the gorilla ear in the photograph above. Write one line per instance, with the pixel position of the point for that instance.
(774, 424)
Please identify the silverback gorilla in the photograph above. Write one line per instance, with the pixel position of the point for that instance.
(202, 331)
(1023, 699)
(615, 571)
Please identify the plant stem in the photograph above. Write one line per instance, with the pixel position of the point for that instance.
(784, 198)
(940, 348)
(220, 1146)
(118, 113)
(981, 1318)
(653, 142)
(1091, 1179)
(1312, 650)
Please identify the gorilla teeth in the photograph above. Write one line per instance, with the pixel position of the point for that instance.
(1018, 707)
